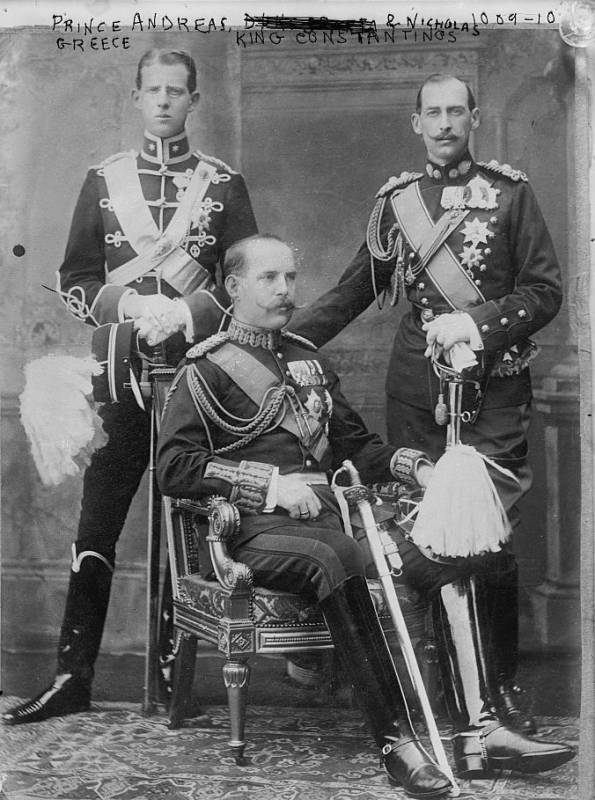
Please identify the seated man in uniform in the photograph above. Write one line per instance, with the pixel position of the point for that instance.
(255, 415)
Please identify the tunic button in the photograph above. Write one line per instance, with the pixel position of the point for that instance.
(421, 287)
(487, 251)
(424, 301)
(279, 355)
(503, 320)
(288, 373)
(485, 328)
(308, 462)
(477, 282)
(493, 220)
(522, 313)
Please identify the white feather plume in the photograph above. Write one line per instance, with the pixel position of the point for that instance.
(59, 416)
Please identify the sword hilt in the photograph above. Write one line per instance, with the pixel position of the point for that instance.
(351, 471)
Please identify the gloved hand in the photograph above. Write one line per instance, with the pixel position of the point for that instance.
(156, 316)
(447, 330)
(145, 305)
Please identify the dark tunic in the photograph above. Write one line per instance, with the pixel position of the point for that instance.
(311, 556)
(97, 245)
(508, 254)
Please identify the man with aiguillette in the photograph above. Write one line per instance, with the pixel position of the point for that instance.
(465, 243)
(148, 232)
(257, 416)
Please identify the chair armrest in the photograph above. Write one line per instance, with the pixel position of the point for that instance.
(224, 524)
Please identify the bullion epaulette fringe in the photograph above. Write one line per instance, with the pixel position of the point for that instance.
(504, 169)
(202, 348)
(300, 340)
(216, 162)
(404, 179)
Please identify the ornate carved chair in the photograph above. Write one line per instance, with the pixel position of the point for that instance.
(215, 600)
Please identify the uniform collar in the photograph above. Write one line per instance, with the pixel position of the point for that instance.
(165, 151)
(242, 333)
(456, 170)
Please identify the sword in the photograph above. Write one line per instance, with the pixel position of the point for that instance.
(386, 579)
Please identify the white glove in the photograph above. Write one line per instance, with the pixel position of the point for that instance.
(447, 330)
(156, 316)
(150, 306)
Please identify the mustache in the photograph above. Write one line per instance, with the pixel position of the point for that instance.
(446, 138)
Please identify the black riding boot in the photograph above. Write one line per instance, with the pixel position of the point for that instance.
(501, 588)
(483, 742)
(80, 637)
(361, 647)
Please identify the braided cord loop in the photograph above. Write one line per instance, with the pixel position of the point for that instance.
(253, 428)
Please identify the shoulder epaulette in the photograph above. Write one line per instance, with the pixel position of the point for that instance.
(202, 348)
(300, 340)
(216, 162)
(503, 169)
(393, 182)
(115, 157)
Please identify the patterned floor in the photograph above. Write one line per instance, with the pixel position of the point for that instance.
(295, 754)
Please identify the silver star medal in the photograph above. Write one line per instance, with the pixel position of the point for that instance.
(476, 232)
(470, 257)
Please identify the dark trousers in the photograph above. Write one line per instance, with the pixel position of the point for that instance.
(314, 557)
(501, 434)
(309, 557)
(112, 478)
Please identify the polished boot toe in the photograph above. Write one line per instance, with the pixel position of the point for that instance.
(511, 713)
(497, 747)
(67, 695)
(408, 765)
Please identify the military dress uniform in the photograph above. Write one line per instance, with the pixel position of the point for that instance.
(129, 234)
(250, 367)
(467, 236)
(252, 404)
(157, 221)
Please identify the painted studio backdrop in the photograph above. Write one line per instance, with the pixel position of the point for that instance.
(316, 129)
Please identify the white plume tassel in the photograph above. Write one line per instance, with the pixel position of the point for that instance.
(461, 513)
(58, 414)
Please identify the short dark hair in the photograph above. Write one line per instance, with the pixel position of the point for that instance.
(158, 55)
(234, 262)
(442, 77)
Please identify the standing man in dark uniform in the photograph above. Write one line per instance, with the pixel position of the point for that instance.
(258, 417)
(147, 234)
(467, 245)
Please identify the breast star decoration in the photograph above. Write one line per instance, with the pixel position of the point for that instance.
(475, 232)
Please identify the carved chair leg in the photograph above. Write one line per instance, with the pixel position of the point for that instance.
(236, 675)
(182, 680)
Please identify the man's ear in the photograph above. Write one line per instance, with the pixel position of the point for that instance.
(415, 123)
(231, 286)
(194, 99)
(475, 119)
(136, 98)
